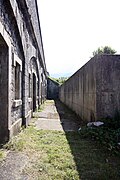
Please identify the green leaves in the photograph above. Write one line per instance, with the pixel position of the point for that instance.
(104, 50)
(60, 80)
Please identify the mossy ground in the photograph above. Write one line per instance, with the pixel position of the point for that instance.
(58, 155)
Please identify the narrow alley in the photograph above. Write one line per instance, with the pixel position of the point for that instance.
(55, 116)
(52, 148)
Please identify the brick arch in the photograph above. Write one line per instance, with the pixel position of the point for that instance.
(33, 66)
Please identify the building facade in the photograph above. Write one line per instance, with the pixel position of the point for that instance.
(52, 89)
(23, 75)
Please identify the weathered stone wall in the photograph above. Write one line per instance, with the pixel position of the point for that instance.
(108, 85)
(93, 92)
(20, 31)
(52, 89)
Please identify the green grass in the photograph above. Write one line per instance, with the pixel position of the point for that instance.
(41, 108)
(1, 154)
(57, 155)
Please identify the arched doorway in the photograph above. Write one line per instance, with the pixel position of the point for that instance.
(34, 84)
(3, 90)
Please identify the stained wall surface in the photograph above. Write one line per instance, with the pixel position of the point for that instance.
(93, 92)
(23, 74)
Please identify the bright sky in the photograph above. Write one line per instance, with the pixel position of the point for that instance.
(73, 29)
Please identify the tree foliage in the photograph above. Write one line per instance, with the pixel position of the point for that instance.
(60, 80)
(104, 50)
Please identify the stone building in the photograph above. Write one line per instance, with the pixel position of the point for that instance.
(52, 89)
(22, 65)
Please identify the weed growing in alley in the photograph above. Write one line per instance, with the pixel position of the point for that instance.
(62, 155)
(108, 135)
(2, 155)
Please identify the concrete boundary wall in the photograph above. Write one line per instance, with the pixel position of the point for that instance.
(93, 92)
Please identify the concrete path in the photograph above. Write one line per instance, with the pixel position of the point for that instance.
(13, 165)
(56, 116)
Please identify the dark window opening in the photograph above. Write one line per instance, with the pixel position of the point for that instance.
(29, 85)
(34, 92)
(17, 81)
(37, 88)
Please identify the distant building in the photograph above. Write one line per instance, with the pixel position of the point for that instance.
(23, 75)
(52, 89)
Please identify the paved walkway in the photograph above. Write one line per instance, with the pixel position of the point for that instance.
(13, 165)
(56, 116)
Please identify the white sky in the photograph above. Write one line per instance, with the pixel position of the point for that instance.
(73, 29)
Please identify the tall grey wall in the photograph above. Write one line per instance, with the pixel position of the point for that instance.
(93, 92)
